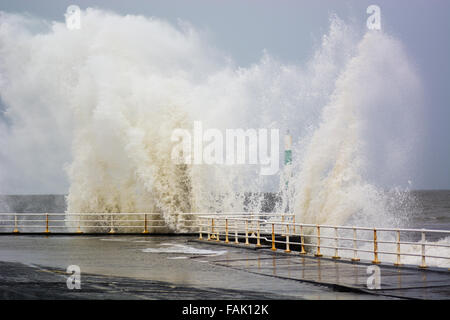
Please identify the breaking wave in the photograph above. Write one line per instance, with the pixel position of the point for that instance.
(103, 101)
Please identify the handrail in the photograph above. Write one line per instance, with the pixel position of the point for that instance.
(274, 228)
(109, 222)
(280, 232)
(93, 222)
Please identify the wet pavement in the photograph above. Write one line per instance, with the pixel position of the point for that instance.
(405, 282)
(20, 281)
(151, 267)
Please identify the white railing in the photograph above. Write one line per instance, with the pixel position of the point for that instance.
(348, 241)
(143, 222)
(278, 230)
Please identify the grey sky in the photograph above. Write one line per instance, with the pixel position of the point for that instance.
(289, 30)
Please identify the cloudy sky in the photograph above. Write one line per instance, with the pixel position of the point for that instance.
(289, 30)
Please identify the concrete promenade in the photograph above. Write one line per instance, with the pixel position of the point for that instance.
(174, 267)
(405, 282)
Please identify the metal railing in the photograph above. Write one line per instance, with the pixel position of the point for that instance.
(278, 230)
(89, 222)
(390, 245)
(144, 222)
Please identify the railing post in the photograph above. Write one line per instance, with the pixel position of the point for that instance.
(302, 240)
(212, 236)
(336, 244)
(236, 238)
(258, 234)
(398, 263)
(16, 230)
(218, 233)
(287, 240)
(246, 233)
(145, 224)
(111, 230)
(293, 220)
(46, 223)
(423, 265)
(273, 238)
(318, 254)
(200, 236)
(226, 231)
(79, 224)
(375, 247)
(355, 246)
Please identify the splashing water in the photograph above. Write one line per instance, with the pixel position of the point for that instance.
(106, 98)
(331, 187)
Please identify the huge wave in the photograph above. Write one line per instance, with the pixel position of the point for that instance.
(103, 101)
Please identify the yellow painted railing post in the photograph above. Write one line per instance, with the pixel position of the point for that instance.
(217, 229)
(218, 232)
(288, 249)
(336, 244)
(200, 236)
(258, 234)
(423, 265)
(236, 238)
(46, 223)
(16, 230)
(273, 238)
(145, 224)
(111, 230)
(79, 224)
(302, 240)
(226, 231)
(375, 247)
(355, 246)
(212, 236)
(318, 254)
(398, 263)
(246, 233)
(209, 231)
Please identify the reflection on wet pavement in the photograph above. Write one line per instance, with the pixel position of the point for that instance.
(169, 259)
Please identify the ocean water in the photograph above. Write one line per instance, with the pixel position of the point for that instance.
(432, 210)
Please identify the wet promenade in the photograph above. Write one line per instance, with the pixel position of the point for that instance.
(171, 267)
(394, 282)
